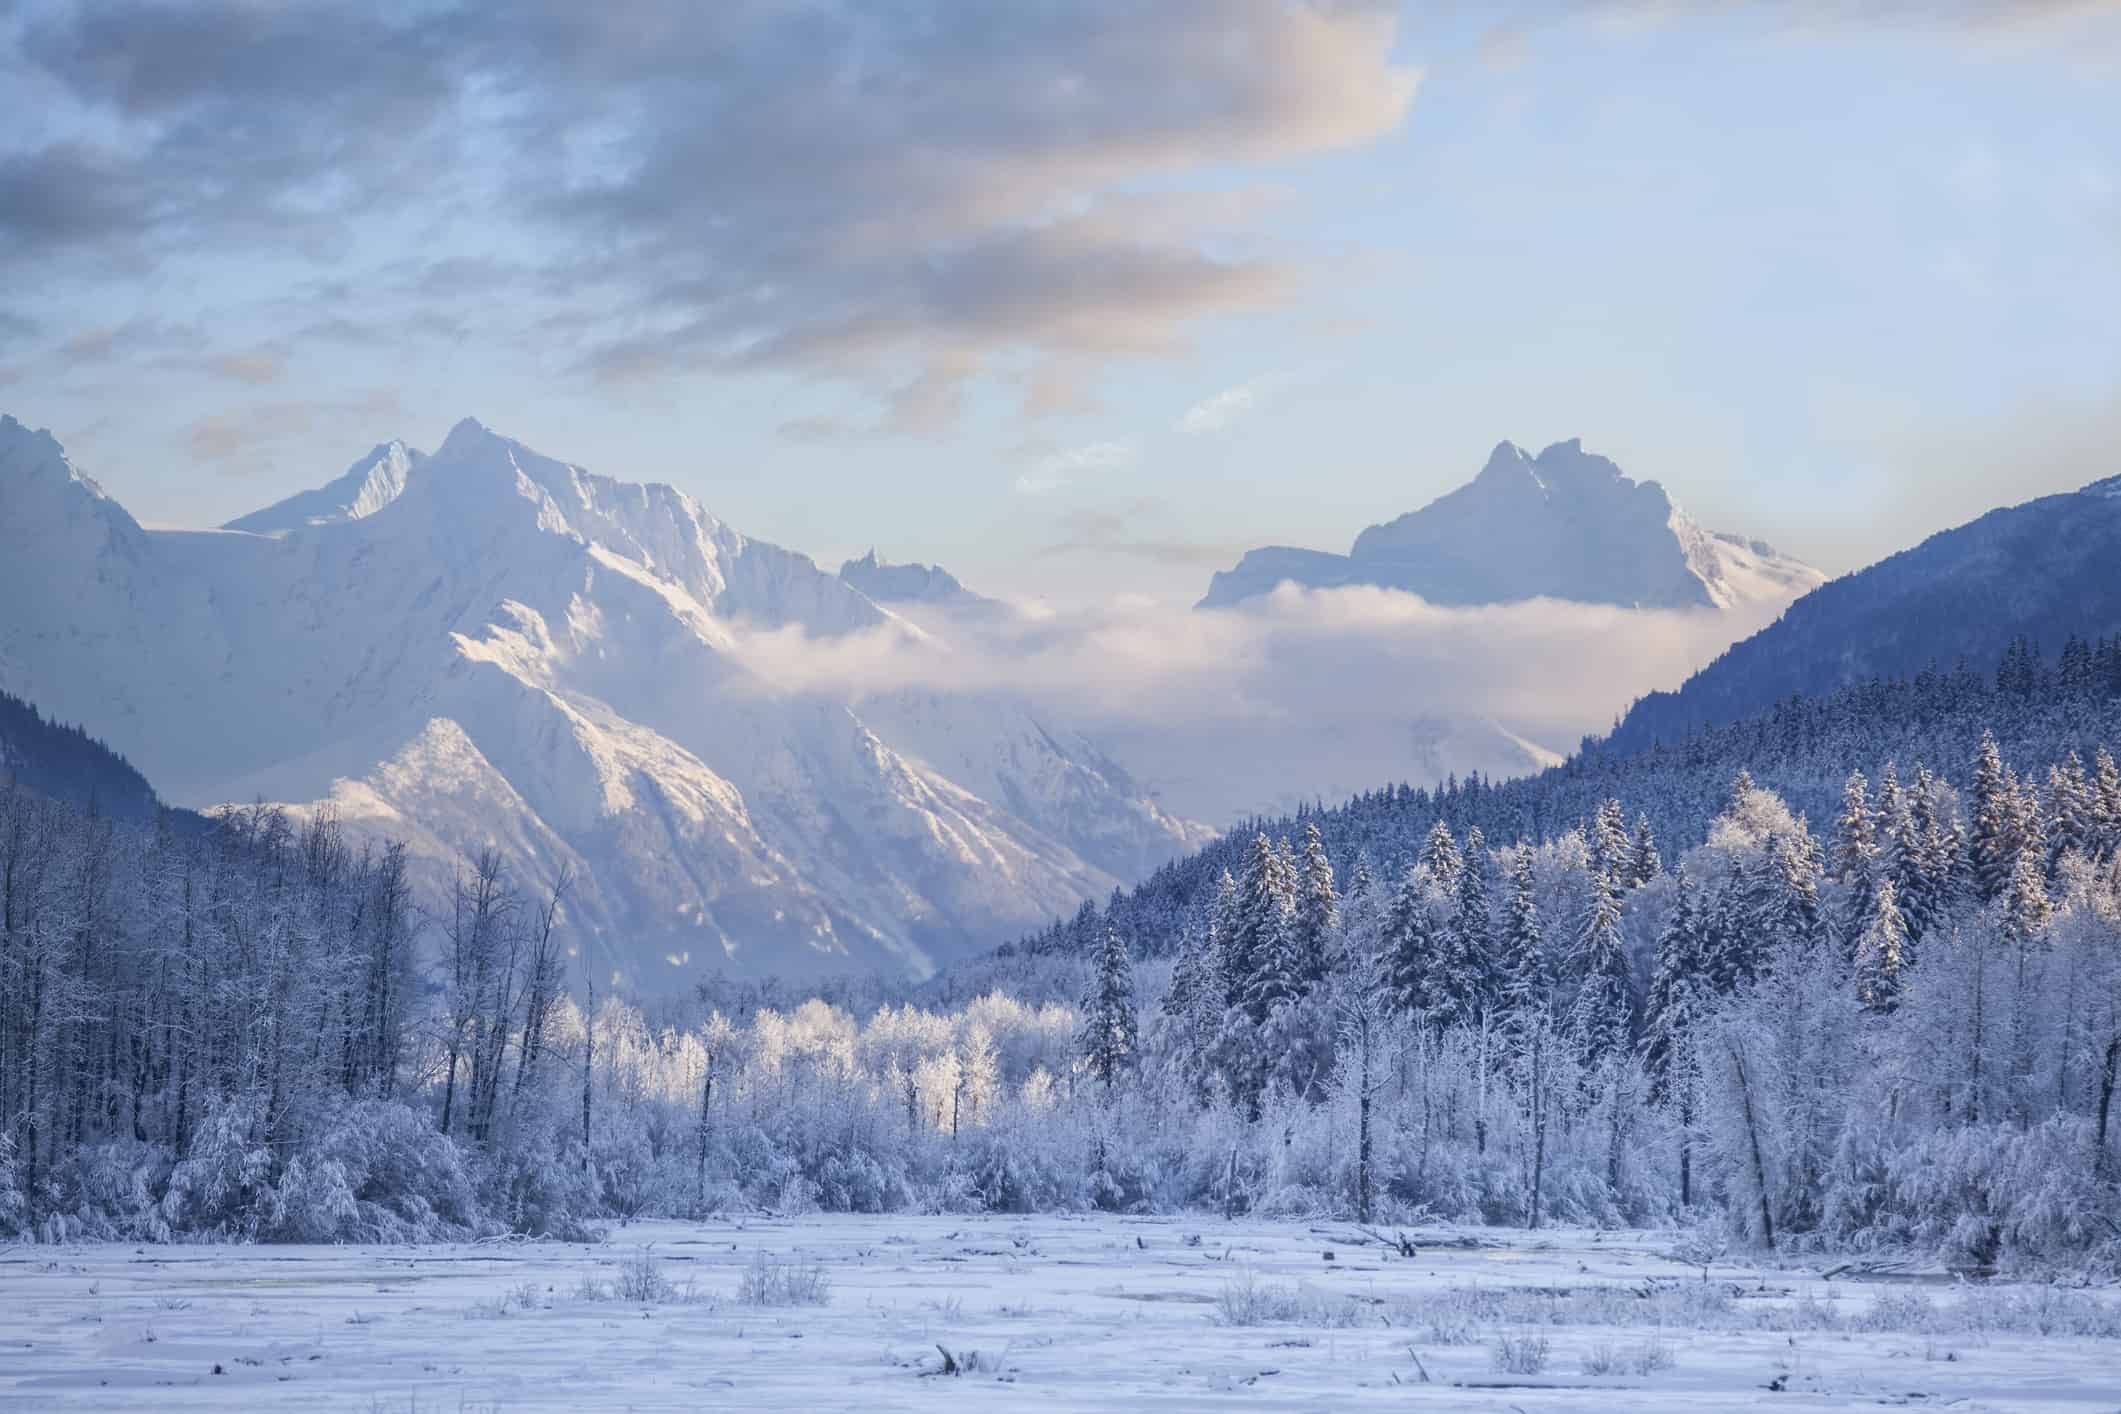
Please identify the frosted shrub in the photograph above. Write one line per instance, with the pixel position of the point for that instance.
(1457, 1315)
(112, 1186)
(377, 1172)
(313, 1202)
(1520, 1354)
(216, 1188)
(1248, 1302)
(641, 1279)
(855, 1182)
(539, 1187)
(770, 1281)
(2040, 1310)
(1905, 1309)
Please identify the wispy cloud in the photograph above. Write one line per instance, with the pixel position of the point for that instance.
(1129, 532)
(1218, 412)
(1304, 691)
(1061, 468)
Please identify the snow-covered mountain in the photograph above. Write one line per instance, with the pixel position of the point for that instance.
(488, 646)
(901, 586)
(1565, 524)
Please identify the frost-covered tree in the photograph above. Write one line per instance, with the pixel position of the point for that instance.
(1854, 862)
(1881, 951)
(1600, 1018)
(1647, 863)
(1673, 1017)
(1316, 915)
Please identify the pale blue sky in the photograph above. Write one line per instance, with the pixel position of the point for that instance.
(1082, 301)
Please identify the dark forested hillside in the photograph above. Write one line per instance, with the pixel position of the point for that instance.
(1802, 748)
(66, 763)
(2044, 570)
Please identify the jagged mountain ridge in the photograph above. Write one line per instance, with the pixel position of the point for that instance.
(898, 585)
(1565, 524)
(2043, 570)
(486, 645)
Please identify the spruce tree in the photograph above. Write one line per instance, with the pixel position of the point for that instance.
(1226, 916)
(1678, 991)
(1411, 943)
(1882, 952)
(1600, 1016)
(1109, 1032)
(1468, 980)
(1854, 863)
(1991, 848)
(1317, 913)
(2106, 804)
(2070, 813)
(1527, 974)
(1648, 864)
(1440, 856)
(1611, 850)
(1673, 1015)
(1259, 952)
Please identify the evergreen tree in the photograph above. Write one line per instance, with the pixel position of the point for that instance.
(1259, 953)
(2071, 813)
(1109, 1032)
(1794, 863)
(1992, 847)
(1440, 857)
(1316, 918)
(1611, 853)
(1855, 860)
(2106, 804)
(1361, 879)
(1673, 1015)
(1411, 942)
(1527, 974)
(1224, 916)
(1648, 864)
(1882, 952)
(2027, 909)
(1600, 1016)
(1679, 990)
(1465, 981)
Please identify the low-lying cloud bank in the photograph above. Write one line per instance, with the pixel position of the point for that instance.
(1303, 694)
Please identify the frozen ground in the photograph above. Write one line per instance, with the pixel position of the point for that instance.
(1064, 1313)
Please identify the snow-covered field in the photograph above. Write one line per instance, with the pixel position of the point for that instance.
(1048, 1312)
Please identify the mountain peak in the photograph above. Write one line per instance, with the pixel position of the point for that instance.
(470, 437)
(887, 583)
(1566, 524)
(27, 452)
(371, 483)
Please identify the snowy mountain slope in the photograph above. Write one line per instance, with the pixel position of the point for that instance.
(486, 645)
(2043, 570)
(1565, 524)
(368, 486)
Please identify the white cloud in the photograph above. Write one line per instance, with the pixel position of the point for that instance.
(1304, 693)
(1217, 413)
(1057, 470)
